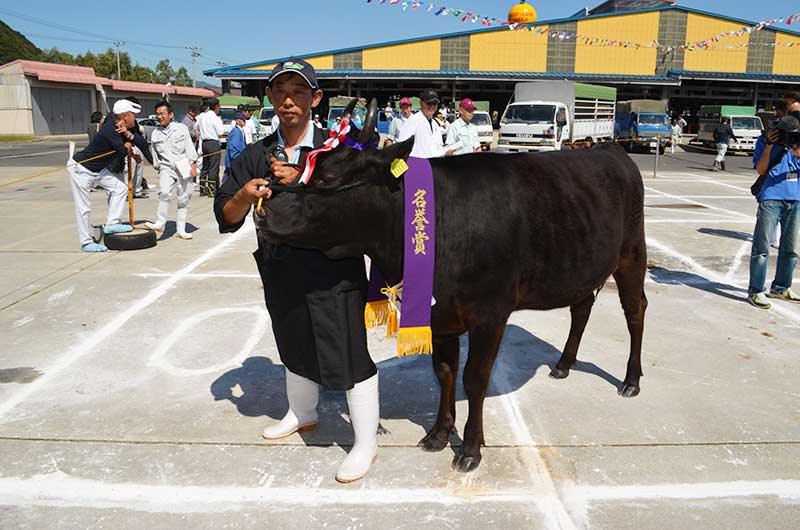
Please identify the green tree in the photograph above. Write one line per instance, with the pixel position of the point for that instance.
(182, 77)
(56, 56)
(106, 65)
(164, 72)
(142, 74)
(14, 45)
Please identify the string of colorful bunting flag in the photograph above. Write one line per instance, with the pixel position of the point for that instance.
(710, 43)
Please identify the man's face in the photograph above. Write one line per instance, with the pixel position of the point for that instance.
(465, 114)
(429, 108)
(164, 116)
(216, 109)
(293, 99)
(240, 122)
(128, 118)
(191, 113)
(406, 110)
(246, 112)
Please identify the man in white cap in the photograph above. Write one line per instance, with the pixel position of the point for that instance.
(175, 158)
(426, 131)
(101, 164)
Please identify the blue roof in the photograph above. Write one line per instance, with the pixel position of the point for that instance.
(237, 68)
(734, 76)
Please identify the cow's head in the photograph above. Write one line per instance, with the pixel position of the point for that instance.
(348, 203)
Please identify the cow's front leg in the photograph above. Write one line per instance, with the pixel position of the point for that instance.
(580, 316)
(445, 365)
(484, 342)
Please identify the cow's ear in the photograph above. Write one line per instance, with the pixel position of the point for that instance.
(400, 150)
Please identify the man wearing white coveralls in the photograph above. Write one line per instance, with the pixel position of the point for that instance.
(174, 157)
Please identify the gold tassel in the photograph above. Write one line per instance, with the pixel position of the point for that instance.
(414, 341)
(376, 313)
(391, 325)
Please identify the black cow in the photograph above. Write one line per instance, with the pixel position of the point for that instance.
(523, 231)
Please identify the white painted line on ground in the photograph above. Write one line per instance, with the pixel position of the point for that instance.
(777, 306)
(699, 221)
(200, 276)
(76, 352)
(736, 197)
(548, 500)
(726, 185)
(737, 260)
(29, 155)
(783, 489)
(61, 490)
(709, 206)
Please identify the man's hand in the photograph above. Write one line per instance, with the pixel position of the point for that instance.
(193, 170)
(284, 172)
(450, 152)
(136, 158)
(252, 191)
(121, 129)
(772, 136)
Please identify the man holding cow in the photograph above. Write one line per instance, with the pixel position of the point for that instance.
(316, 303)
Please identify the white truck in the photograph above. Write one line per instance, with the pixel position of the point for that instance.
(546, 115)
(743, 120)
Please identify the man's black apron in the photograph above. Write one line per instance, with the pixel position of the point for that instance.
(316, 304)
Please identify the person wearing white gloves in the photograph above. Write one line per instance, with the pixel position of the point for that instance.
(174, 157)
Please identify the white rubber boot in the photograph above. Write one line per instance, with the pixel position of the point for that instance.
(363, 403)
(303, 396)
(180, 223)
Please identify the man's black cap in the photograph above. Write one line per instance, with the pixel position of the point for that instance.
(295, 66)
(429, 96)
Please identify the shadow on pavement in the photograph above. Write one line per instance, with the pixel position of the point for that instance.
(670, 277)
(408, 388)
(733, 234)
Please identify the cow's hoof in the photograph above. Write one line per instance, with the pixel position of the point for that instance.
(465, 464)
(432, 444)
(628, 390)
(559, 373)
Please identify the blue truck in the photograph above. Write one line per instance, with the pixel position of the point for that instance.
(643, 124)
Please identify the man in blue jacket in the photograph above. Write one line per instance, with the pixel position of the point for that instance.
(101, 164)
(236, 142)
(777, 157)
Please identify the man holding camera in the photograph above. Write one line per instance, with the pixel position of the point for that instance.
(777, 159)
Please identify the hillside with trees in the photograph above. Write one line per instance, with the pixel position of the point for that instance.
(14, 45)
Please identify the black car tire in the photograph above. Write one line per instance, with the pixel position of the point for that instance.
(137, 239)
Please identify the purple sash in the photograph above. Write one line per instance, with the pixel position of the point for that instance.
(419, 251)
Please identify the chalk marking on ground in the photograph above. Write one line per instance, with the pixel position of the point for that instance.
(777, 307)
(159, 357)
(709, 206)
(724, 184)
(783, 489)
(200, 276)
(76, 352)
(737, 260)
(738, 197)
(30, 155)
(702, 221)
(547, 498)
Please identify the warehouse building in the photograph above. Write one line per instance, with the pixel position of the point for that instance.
(49, 99)
(644, 48)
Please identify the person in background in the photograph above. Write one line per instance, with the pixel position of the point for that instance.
(676, 135)
(236, 142)
(248, 129)
(427, 133)
(93, 166)
(778, 202)
(190, 121)
(399, 121)
(462, 136)
(722, 136)
(174, 157)
(317, 123)
(211, 129)
(253, 125)
(95, 122)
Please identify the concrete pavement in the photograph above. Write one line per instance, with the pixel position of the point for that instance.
(134, 386)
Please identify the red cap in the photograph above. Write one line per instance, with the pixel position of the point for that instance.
(467, 104)
(405, 101)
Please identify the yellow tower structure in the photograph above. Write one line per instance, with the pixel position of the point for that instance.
(522, 13)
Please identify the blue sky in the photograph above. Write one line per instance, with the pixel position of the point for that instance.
(243, 31)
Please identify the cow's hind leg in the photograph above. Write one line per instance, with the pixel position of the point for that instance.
(484, 342)
(630, 276)
(580, 316)
(445, 365)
